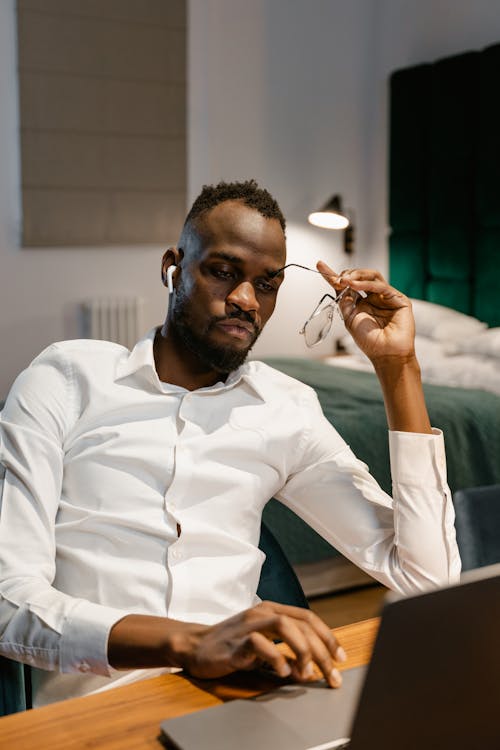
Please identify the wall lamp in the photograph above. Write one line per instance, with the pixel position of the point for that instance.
(332, 216)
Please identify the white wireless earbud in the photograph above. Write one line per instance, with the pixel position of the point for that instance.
(170, 283)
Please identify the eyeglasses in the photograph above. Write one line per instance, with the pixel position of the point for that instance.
(319, 324)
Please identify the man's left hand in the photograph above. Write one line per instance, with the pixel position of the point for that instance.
(381, 323)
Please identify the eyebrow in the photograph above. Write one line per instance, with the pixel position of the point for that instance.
(270, 272)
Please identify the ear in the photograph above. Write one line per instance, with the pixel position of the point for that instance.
(171, 259)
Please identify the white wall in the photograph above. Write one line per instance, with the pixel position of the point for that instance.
(40, 289)
(277, 93)
(292, 92)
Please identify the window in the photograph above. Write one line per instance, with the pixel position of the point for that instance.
(102, 120)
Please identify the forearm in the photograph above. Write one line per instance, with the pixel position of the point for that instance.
(144, 641)
(403, 394)
(408, 542)
(380, 320)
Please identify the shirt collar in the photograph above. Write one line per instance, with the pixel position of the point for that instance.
(142, 358)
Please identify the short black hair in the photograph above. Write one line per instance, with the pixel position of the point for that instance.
(248, 192)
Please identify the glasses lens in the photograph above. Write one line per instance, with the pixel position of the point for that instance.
(318, 326)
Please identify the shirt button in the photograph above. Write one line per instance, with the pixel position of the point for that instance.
(176, 554)
(84, 666)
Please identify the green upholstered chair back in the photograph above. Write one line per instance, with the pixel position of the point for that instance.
(444, 211)
(15, 683)
(12, 687)
(278, 581)
(478, 525)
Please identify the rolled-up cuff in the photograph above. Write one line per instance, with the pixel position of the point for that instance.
(418, 458)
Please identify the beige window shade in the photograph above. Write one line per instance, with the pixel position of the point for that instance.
(102, 120)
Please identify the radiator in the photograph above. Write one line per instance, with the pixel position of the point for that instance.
(116, 319)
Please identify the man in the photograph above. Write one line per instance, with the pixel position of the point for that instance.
(136, 480)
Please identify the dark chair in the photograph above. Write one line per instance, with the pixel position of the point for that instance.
(12, 674)
(12, 687)
(278, 581)
(478, 525)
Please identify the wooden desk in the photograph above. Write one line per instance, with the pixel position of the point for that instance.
(128, 718)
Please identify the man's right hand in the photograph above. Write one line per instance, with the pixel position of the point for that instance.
(244, 641)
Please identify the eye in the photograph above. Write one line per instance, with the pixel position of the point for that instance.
(265, 286)
(221, 273)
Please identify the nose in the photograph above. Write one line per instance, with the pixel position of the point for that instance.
(243, 296)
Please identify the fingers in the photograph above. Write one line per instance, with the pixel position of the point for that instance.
(308, 617)
(363, 281)
(255, 649)
(355, 275)
(367, 281)
(258, 649)
(310, 640)
(342, 281)
(322, 657)
(360, 279)
(246, 640)
(325, 270)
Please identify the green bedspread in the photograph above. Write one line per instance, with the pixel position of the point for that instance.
(352, 401)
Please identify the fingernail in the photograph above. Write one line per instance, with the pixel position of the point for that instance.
(308, 670)
(286, 670)
(340, 654)
(336, 677)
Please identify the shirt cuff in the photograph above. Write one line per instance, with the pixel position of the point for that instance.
(418, 458)
(84, 640)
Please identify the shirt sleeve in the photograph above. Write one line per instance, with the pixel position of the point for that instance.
(406, 542)
(40, 625)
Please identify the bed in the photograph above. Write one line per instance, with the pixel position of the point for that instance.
(444, 252)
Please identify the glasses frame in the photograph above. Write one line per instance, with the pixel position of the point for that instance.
(290, 265)
(333, 308)
(334, 305)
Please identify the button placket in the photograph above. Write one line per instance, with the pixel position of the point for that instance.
(188, 429)
(174, 493)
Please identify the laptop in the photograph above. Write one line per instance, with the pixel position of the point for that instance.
(433, 682)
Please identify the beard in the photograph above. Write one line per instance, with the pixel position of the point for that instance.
(216, 357)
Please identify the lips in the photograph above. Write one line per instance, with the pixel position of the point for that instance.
(237, 328)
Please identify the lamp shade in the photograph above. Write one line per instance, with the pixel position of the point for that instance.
(330, 216)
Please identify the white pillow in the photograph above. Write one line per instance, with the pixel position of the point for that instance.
(486, 343)
(429, 350)
(443, 323)
(426, 349)
(464, 371)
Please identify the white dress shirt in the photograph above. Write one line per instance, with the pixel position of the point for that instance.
(103, 462)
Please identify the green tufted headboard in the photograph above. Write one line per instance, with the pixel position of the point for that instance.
(444, 208)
